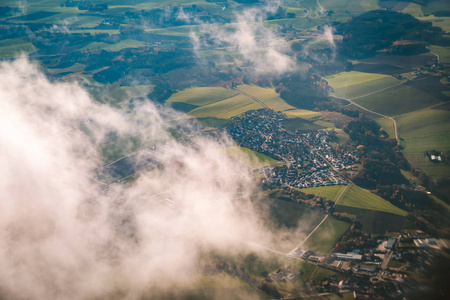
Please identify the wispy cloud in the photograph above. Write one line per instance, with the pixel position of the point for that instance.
(252, 39)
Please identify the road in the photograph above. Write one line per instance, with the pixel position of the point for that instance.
(323, 220)
(250, 96)
(374, 112)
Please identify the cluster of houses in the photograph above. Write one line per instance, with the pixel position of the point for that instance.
(308, 154)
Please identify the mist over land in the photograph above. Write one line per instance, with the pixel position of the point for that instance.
(224, 149)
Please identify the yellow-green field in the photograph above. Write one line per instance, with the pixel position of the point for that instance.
(114, 47)
(443, 52)
(327, 235)
(11, 48)
(226, 108)
(329, 192)
(301, 113)
(434, 170)
(356, 84)
(425, 130)
(268, 96)
(443, 22)
(249, 157)
(357, 197)
(413, 9)
(387, 126)
(200, 96)
(397, 100)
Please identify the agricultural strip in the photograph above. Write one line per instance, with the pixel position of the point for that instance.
(200, 96)
(249, 157)
(226, 108)
(397, 100)
(268, 96)
(329, 192)
(326, 236)
(373, 221)
(357, 197)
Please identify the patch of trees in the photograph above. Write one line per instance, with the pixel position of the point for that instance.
(354, 238)
(310, 200)
(301, 91)
(423, 212)
(389, 32)
(58, 42)
(381, 159)
(13, 31)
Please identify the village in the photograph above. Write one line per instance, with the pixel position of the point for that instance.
(371, 273)
(309, 159)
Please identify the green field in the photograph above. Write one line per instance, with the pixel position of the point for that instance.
(435, 170)
(301, 113)
(357, 84)
(201, 96)
(214, 122)
(357, 197)
(326, 236)
(443, 52)
(413, 9)
(329, 192)
(301, 124)
(424, 130)
(113, 47)
(443, 22)
(397, 100)
(387, 126)
(227, 108)
(268, 96)
(11, 48)
(249, 157)
(373, 221)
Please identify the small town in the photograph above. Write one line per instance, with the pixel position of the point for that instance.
(310, 160)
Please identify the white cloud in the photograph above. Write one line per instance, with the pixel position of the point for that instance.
(65, 235)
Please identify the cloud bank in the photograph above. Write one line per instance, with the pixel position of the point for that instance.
(252, 39)
(66, 235)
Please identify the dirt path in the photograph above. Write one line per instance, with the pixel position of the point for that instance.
(321, 222)
(250, 96)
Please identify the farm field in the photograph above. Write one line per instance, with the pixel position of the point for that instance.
(425, 130)
(443, 52)
(434, 170)
(268, 96)
(249, 157)
(373, 221)
(326, 236)
(301, 124)
(387, 126)
(10, 48)
(357, 197)
(329, 192)
(402, 61)
(356, 84)
(301, 113)
(227, 108)
(442, 22)
(114, 47)
(397, 100)
(213, 122)
(200, 96)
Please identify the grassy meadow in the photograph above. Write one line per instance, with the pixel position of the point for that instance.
(329, 192)
(357, 197)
